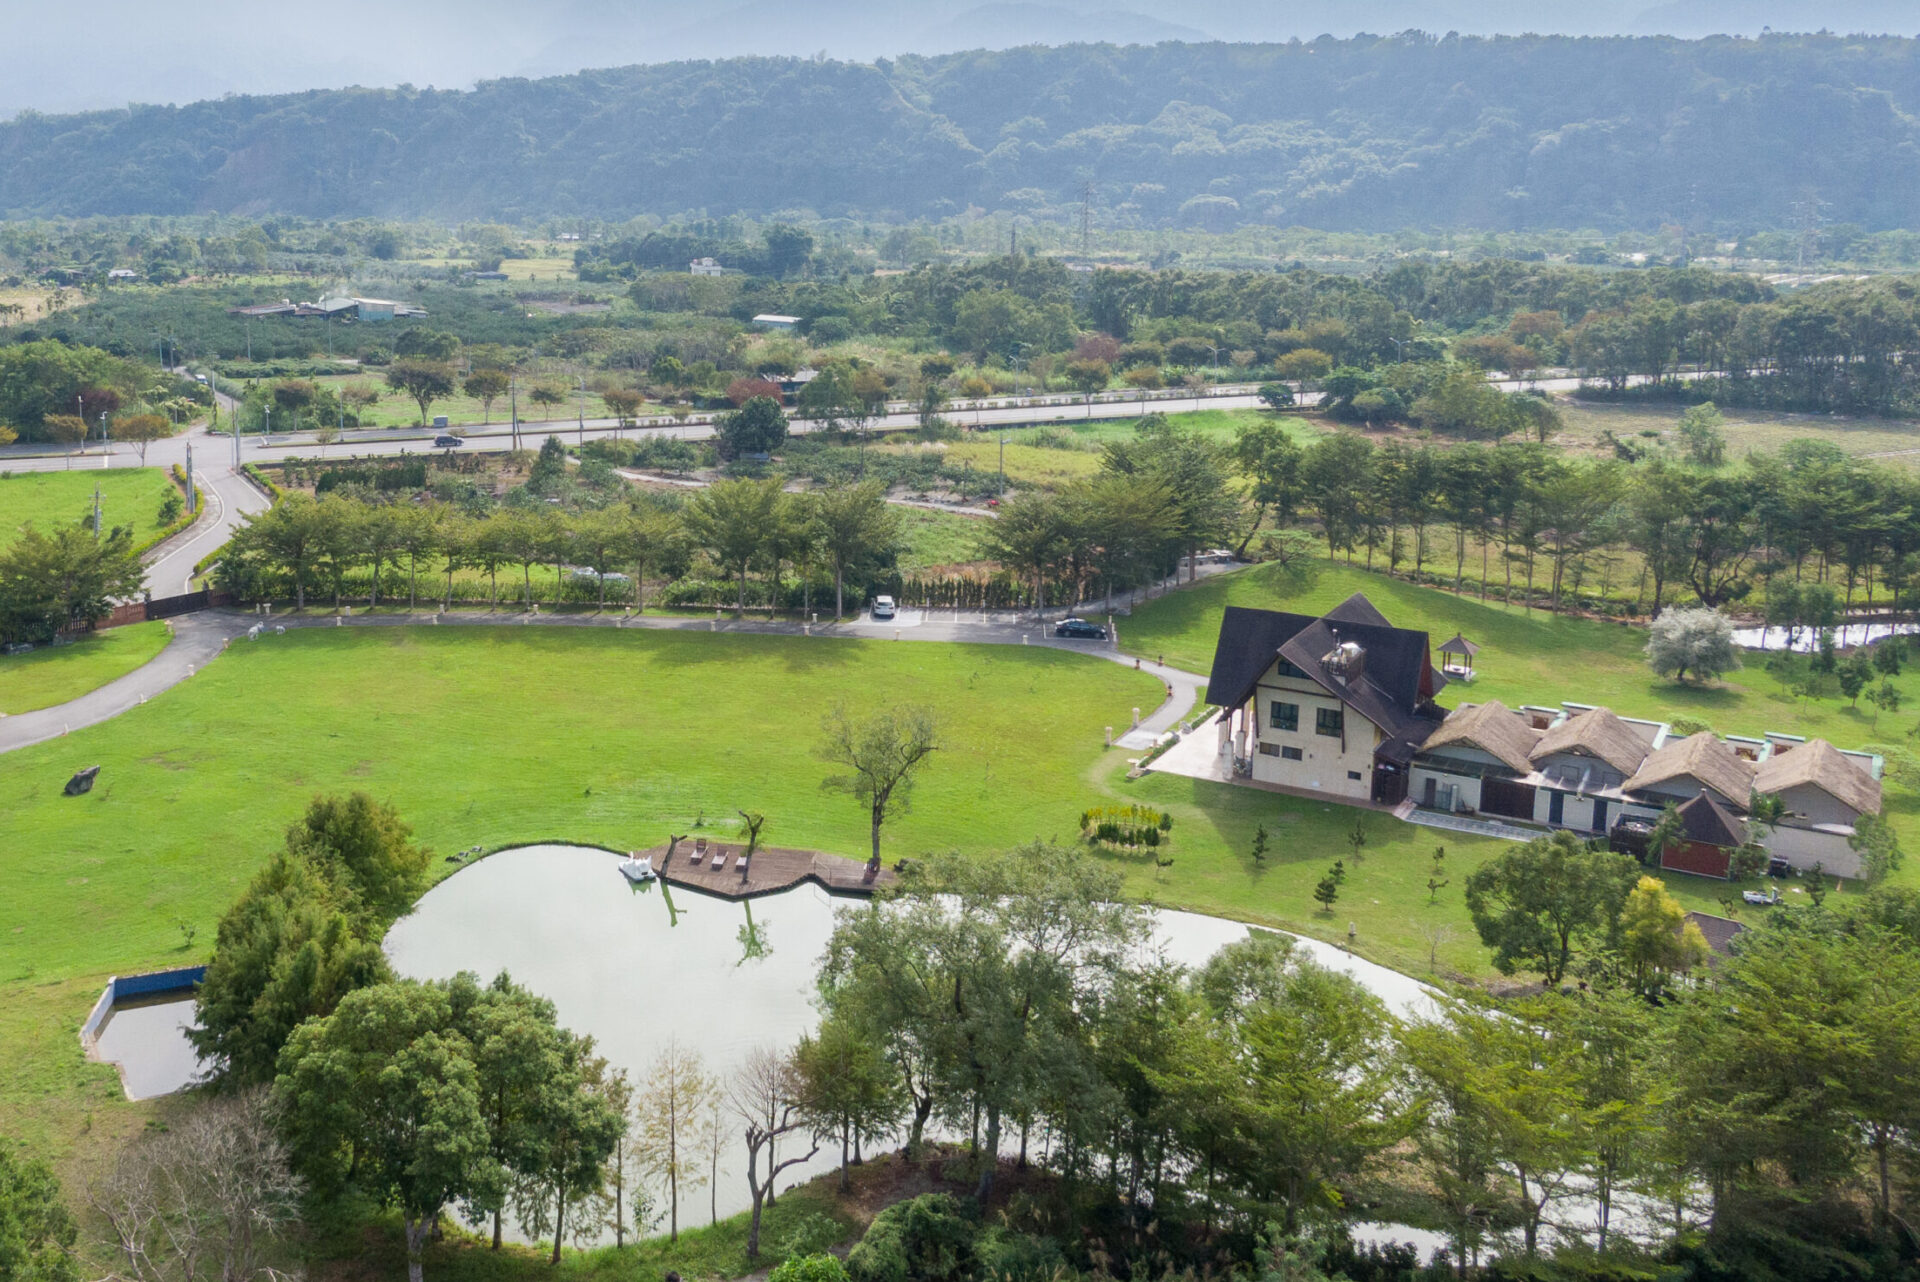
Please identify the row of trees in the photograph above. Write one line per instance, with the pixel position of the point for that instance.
(1014, 1003)
(390, 550)
(1810, 515)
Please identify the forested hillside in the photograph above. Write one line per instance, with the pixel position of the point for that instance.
(1365, 134)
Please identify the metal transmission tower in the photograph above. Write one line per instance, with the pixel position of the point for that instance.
(1807, 216)
(1086, 219)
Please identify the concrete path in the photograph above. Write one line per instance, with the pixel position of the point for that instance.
(198, 638)
(230, 498)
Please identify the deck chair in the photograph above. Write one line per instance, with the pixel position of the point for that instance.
(719, 858)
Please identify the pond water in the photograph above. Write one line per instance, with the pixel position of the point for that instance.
(638, 967)
(1808, 639)
(147, 1040)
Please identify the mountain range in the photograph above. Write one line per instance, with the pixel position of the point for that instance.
(1372, 133)
(108, 53)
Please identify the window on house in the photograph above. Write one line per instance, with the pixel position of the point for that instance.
(1329, 721)
(1269, 749)
(1284, 716)
(1293, 754)
(1288, 670)
(1353, 774)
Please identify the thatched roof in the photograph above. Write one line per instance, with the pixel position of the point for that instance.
(1490, 727)
(1819, 763)
(1702, 758)
(1598, 733)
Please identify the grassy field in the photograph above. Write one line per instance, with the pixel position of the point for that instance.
(512, 735)
(128, 496)
(1758, 431)
(55, 674)
(937, 538)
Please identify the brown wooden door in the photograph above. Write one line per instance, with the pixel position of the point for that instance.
(1507, 797)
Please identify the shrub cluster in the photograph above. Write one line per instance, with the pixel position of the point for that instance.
(1130, 825)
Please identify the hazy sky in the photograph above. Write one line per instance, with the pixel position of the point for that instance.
(103, 53)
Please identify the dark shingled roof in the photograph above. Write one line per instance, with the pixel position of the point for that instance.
(1717, 931)
(1394, 688)
(1707, 821)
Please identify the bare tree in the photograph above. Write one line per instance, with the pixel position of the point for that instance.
(203, 1200)
(765, 1096)
(679, 1092)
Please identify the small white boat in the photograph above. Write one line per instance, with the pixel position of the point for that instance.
(637, 867)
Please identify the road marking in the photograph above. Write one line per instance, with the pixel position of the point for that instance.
(216, 525)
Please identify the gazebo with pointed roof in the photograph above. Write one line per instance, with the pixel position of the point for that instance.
(1465, 649)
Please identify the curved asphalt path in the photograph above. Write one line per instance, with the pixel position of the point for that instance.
(199, 638)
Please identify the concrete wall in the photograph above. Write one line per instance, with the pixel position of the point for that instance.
(1810, 805)
(1324, 766)
(1804, 847)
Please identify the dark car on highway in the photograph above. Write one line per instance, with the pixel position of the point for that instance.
(1080, 628)
(447, 442)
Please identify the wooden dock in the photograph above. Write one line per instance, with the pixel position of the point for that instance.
(771, 870)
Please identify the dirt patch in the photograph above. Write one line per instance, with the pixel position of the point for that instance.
(570, 309)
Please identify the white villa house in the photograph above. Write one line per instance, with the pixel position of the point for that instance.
(1343, 705)
(1336, 704)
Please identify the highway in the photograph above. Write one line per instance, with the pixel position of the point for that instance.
(231, 498)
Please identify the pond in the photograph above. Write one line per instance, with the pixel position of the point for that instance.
(639, 967)
(146, 1038)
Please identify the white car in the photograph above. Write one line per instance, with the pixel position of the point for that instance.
(883, 607)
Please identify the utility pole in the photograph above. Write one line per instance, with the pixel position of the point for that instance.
(513, 391)
(1086, 219)
(193, 491)
(96, 511)
(583, 409)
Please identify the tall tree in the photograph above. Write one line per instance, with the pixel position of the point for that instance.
(680, 1093)
(1534, 905)
(847, 1090)
(730, 520)
(383, 1093)
(426, 381)
(856, 527)
(882, 754)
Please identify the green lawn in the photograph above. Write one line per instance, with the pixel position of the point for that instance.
(1222, 425)
(497, 736)
(55, 674)
(937, 538)
(128, 496)
(485, 736)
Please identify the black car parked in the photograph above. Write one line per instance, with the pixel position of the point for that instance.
(1080, 628)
